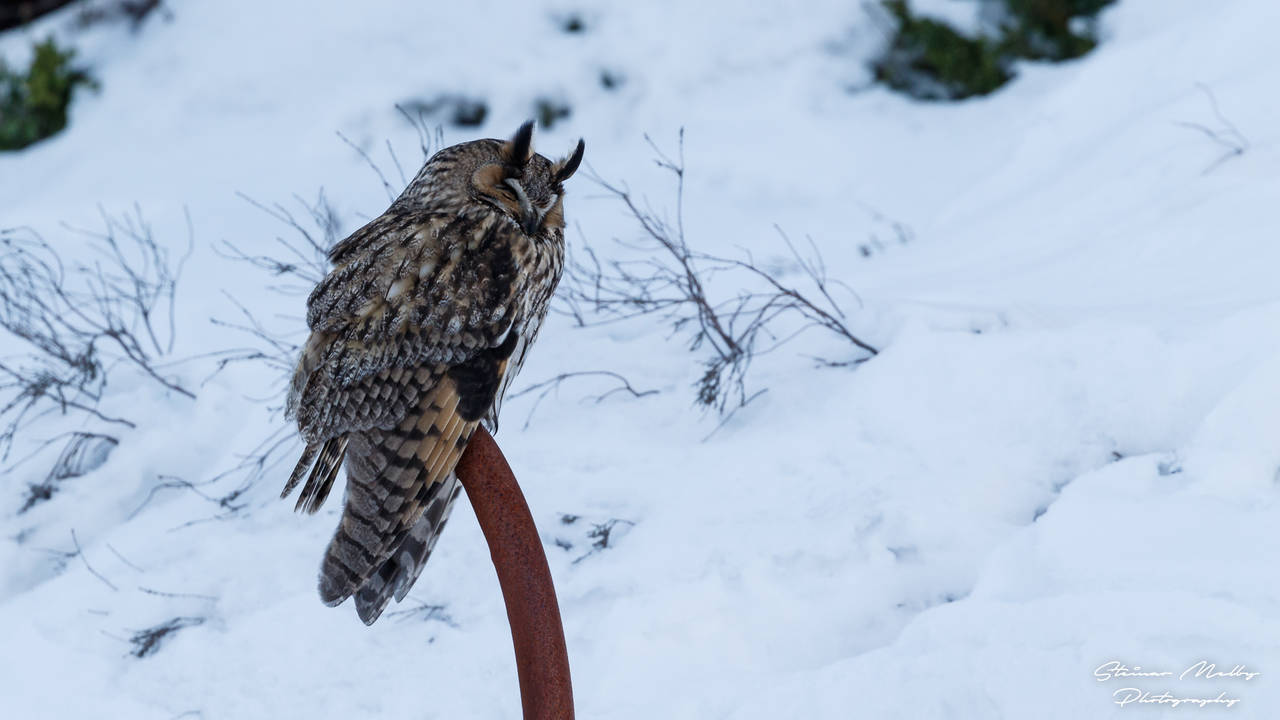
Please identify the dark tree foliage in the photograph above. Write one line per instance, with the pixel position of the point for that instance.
(1042, 29)
(19, 12)
(930, 60)
(33, 105)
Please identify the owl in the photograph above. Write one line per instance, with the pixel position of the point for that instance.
(416, 334)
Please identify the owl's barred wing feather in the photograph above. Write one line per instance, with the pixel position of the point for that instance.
(392, 475)
(304, 464)
(322, 475)
(520, 345)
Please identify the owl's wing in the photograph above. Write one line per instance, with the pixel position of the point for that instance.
(417, 291)
(401, 485)
(396, 379)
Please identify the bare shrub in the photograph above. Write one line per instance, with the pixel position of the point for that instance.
(670, 279)
(298, 259)
(294, 263)
(78, 322)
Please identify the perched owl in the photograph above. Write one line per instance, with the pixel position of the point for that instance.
(415, 336)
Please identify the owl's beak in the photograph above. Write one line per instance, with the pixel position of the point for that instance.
(530, 219)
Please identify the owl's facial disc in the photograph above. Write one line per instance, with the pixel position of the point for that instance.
(495, 185)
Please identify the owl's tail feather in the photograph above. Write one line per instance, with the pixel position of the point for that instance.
(320, 481)
(399, 484)
(402, 569)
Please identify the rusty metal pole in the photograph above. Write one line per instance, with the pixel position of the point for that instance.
(541, 658)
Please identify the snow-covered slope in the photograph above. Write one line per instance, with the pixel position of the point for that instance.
(1066, 453)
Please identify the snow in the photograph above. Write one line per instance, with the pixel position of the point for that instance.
(965, 16)
(1064, 455)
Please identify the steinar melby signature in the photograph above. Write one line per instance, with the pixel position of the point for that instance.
(1203, 669)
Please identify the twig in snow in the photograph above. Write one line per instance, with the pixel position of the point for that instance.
(229, 502)
(122, 558)
(1227, 136)
(425, 611)
(600, 534)
(85, 560)
(147, 642)
(161, 593)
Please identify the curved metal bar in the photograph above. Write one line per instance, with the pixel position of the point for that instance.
(542, 661)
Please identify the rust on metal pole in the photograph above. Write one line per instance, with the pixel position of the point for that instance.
(541, 658)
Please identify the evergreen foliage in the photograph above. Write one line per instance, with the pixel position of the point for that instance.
(33, 105)
(930, 60)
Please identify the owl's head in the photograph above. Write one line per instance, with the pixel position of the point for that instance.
(523, 185)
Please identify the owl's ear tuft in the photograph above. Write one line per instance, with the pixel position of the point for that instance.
(565, 169)
(519, 148)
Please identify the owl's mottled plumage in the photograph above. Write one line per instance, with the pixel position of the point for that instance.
(415, 336)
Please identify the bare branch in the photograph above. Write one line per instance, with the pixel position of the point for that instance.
(425, 612)
(306, 255)
(665, 277)
(305, 260)
(230, 502)
(1227, 135)
(161, 593)
(391, 193)
(122, 558)
(546, 387)
(427, 135)
(85, 560)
